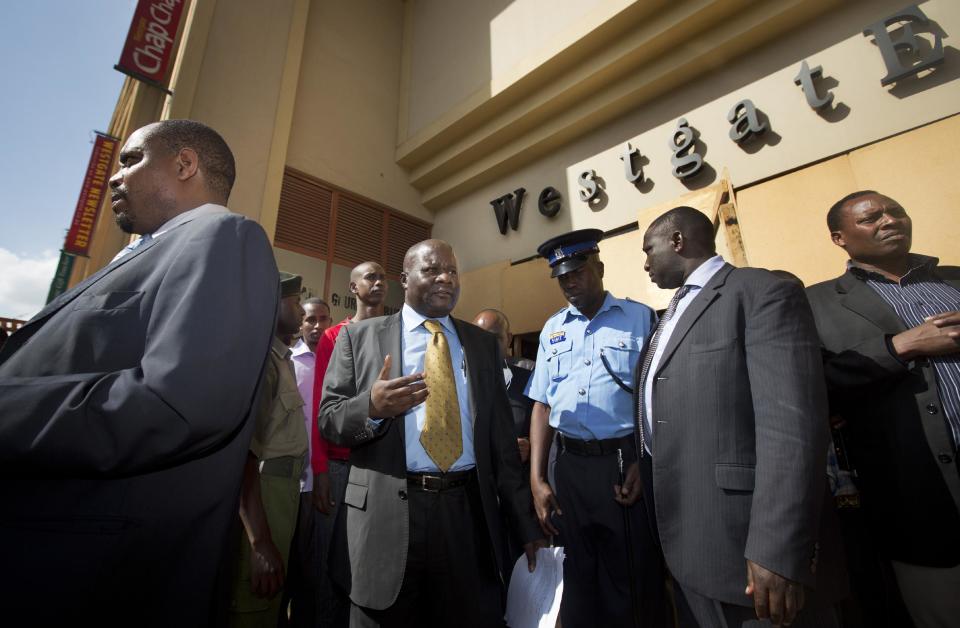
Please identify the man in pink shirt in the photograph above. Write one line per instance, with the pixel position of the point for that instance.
(330, 463)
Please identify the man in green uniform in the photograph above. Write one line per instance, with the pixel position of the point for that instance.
(270, 495)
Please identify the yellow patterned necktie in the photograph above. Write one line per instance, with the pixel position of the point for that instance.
(441, 436)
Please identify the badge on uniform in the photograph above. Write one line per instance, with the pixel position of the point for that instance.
(558, 336)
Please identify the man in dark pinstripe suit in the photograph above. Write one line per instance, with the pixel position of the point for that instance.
(731, 410)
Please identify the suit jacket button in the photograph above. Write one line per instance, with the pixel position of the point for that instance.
(931, 408)
(402, 495)
(945, 458)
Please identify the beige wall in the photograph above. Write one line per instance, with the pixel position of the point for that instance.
(238, 89)
(765, 76)
(462, 52)
(345, 117)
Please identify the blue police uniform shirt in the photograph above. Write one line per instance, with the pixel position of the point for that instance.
(585, 401)
(414, 344)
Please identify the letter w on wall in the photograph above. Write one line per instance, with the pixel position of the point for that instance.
(507, 207)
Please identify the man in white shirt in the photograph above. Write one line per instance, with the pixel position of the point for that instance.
(300, 595)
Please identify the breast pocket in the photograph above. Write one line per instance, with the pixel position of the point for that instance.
(558, 360)
(109, 301)
(621, 354)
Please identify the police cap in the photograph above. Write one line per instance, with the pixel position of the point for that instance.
(289, 285)
(570, 251)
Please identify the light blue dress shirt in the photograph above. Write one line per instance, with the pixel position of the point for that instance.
(585, 401)
(697, 280)
(414, 344)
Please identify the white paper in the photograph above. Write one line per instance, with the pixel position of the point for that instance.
(533, 600)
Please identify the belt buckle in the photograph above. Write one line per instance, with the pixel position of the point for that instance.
(423, 484)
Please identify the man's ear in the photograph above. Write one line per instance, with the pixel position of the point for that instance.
(677, 241)
(353, 287)
(188, 164)
(837, 239)
(600, 268)
(403, 280)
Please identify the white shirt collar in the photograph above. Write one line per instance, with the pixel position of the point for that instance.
(705, 272)
(413, 319)
(300, 348)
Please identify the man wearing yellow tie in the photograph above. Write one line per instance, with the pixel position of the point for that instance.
(419, 397)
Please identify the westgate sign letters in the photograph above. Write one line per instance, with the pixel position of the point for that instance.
(746, 123)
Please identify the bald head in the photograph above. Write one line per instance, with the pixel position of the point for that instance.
(675, 244)
(368, 282)
(696, 228)
(415, 252)
(495, 322)
(365, 267)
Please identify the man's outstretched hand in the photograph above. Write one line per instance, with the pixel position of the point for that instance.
(393, 397)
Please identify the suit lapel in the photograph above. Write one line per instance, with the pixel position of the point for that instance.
(389, 339)
(390, 344)
(707, 295)
(858, 297)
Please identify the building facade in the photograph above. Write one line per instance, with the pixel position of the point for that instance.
(362, 127)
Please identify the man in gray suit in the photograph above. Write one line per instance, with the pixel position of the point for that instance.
(124, 403)
(419, 396)
(732, 430)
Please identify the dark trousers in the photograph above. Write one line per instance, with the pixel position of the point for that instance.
(596, 569)
(450, 577)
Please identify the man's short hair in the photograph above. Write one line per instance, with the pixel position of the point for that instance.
(316, 301)
(215, 158)
(834, 213)
(692, 223)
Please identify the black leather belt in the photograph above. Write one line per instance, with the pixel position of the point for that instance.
(436, 482)
(603, 447)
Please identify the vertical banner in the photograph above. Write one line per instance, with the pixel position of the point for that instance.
(91, 195)
(148, 50)
(62, 277)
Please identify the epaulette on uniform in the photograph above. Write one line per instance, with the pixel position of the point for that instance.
(629, 300)
(558, 312)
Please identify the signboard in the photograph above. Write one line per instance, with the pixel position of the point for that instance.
(62, 277)
(148, 51)
(91, 195)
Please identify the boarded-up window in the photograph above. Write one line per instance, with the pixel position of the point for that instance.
(311, 210)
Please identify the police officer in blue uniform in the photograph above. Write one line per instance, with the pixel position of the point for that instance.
(581, 386)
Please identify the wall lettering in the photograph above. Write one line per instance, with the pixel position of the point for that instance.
(686, 162)
(549, 202)
(590, 190)
(744, 121)
(744, 117)
(907, 42)
(805, 80)
(629, 157)
(507, 209)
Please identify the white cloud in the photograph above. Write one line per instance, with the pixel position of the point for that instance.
(25, 282)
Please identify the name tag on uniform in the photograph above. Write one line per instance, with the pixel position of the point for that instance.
(558, 336)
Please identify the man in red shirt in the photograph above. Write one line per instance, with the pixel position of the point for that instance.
(331, 467)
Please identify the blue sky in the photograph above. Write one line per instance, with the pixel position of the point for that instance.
(56, 60)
